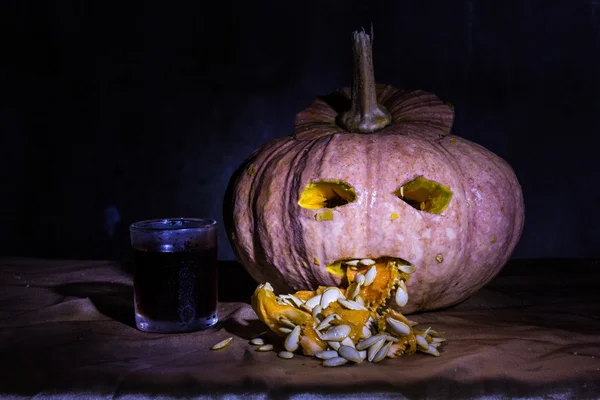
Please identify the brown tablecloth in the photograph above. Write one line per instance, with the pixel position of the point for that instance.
(67, 331)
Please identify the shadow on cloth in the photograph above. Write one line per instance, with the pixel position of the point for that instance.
(114, 300)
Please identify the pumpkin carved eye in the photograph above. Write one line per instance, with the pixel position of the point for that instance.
(326, 194)
(425, 195)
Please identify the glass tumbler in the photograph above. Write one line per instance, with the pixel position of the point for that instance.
(175, 278)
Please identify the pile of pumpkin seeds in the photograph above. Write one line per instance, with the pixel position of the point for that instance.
(341, 349)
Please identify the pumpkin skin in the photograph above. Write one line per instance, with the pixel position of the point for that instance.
(455, 252)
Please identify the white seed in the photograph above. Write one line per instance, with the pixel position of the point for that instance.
(334, 362)
(383, 352)
(369, 341)
(334, 345)
(360, 279)
(413, 323)
(257, 341)
(421, 341)
(398, 327)
(327, 354)
(292, 340)
(285, 354)
(408, 269)
(363, 354)
(350, 354)
(347, 342)
(316, 311)
(431, 350)
(436, 345)
(265, 347)
(426, 332)
(287, 323)
(370, 276)
(366, 332)
(287, 302)
(352, 262)
(437, 339)
(351, 305)
(353, 290)
(392, 338)
(336, 333)
(367, 261)
(326, 323)
(374, 349)
(221, 344)
(296, 300)
(313, 301)
(267, 286)
(305, 308)
(401, 294)
(329, 296)
(360, 300)
(284, 330)
(433, 332)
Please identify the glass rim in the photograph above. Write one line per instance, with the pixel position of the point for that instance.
(152, 225)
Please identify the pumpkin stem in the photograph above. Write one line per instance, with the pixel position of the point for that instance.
(365, 115)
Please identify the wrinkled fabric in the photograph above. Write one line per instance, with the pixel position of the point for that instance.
(67, 331)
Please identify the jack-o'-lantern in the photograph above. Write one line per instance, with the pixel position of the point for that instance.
(374, 173)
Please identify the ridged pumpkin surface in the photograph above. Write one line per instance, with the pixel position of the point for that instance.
(455, 251)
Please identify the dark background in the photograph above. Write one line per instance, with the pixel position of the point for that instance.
(117, 112)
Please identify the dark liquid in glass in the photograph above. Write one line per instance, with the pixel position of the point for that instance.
(176, 291)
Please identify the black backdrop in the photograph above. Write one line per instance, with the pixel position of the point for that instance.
(116, 112)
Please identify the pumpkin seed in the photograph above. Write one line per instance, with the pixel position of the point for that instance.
(329, 296)
(382, 353)
(437, 340)
(398, 327)
(221, 344)
(347, 342)
(265, 347)
(334, 345)
(350, 354)
(326, 323)
(353, 263)
(257, 341)
(334, 362)
(327, 354)
(316, 311)
(360, 300)
(268, 286)
(431, 350)
(285, 354)
(351, 305)
(401, 294)
(374, 349)
(363, 354)
(367, 261)
(366, 332)
(313, 301)
(284, 330)
(370, 276)
(407, 269)
(353, 290)
(287, 323)
(336, 333)
(421, 341)
(392, 339)
(360, 279)
(369, 341)
(295, 300)
(413, 323)
(292, 340)
(305, 308)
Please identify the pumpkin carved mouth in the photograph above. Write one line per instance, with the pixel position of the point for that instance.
(374, 281)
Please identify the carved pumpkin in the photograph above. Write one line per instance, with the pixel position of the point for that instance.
(374, 172)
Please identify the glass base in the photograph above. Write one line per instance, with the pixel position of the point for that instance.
(147, 325)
